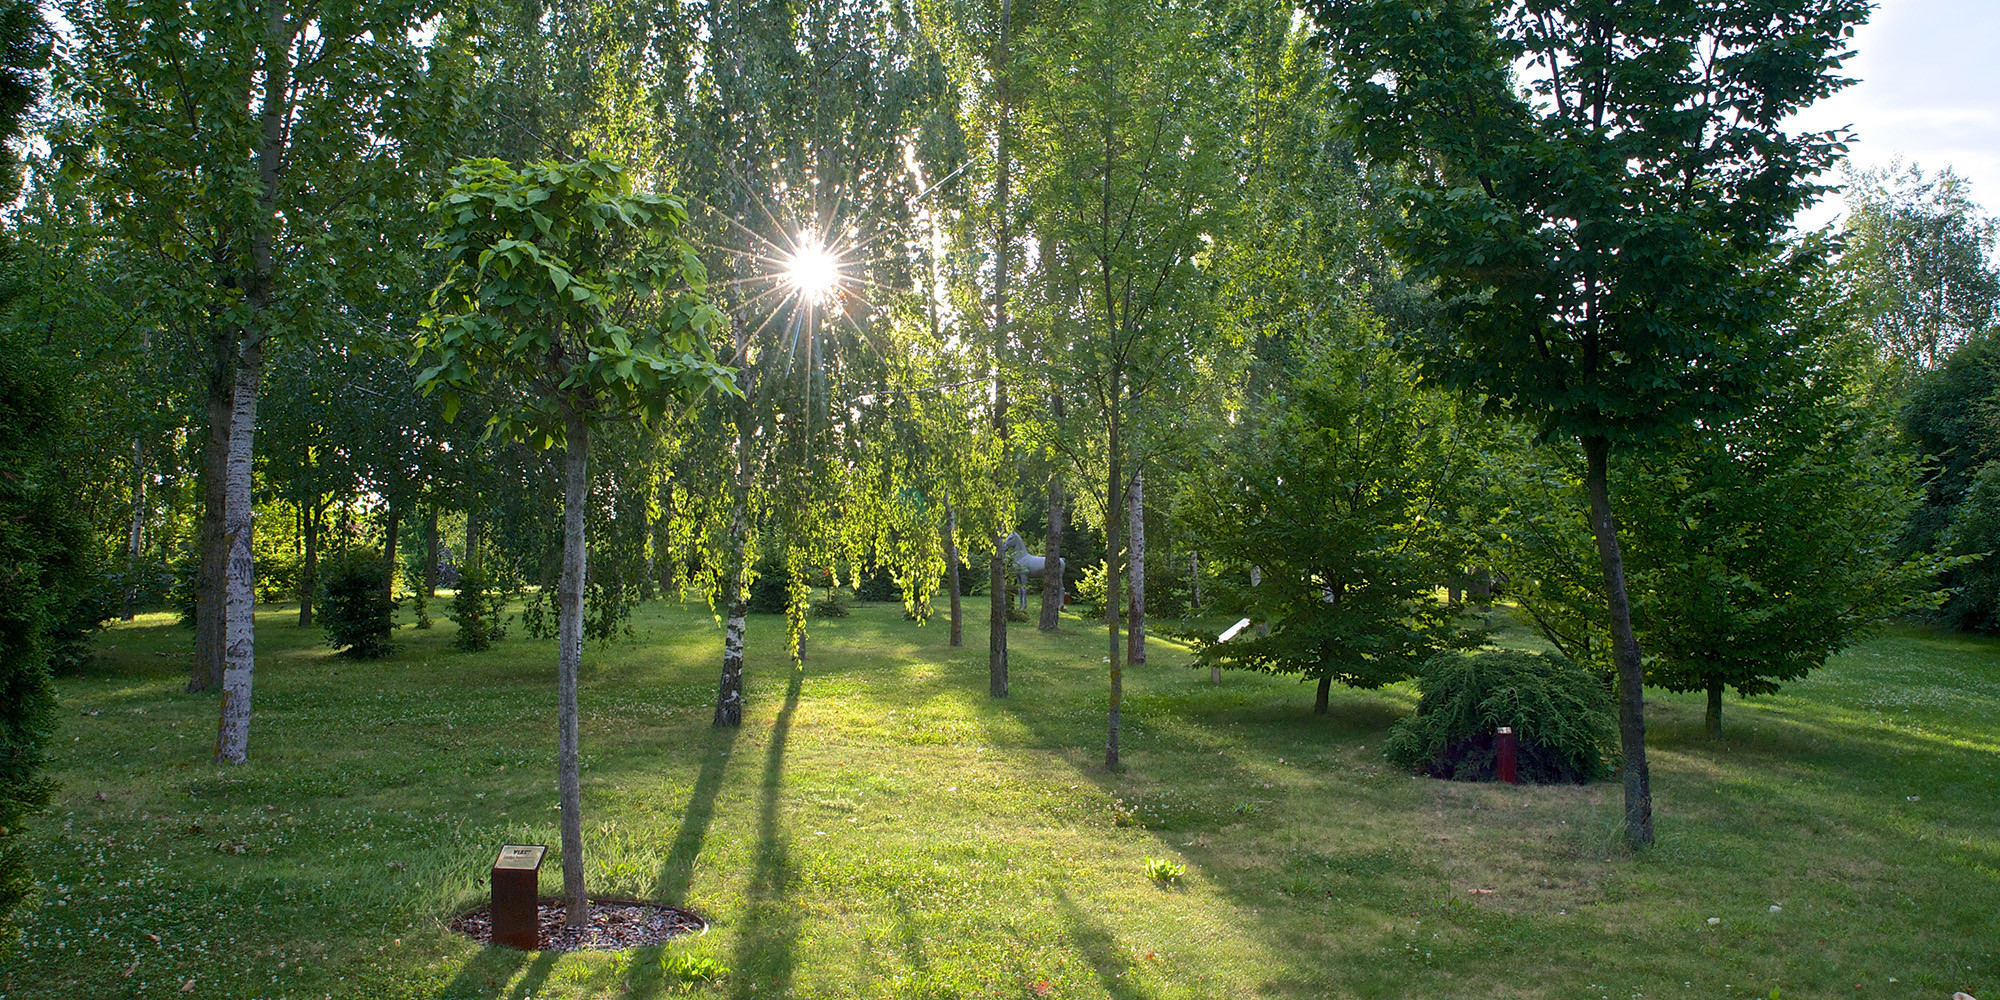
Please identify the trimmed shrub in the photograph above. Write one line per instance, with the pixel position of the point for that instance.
(475, 608)
(355, 608)
(1560, 712)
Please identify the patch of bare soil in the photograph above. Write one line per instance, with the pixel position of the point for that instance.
(613, 925)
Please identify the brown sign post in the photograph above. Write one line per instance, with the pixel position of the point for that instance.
(1508, 746)
(516, 873)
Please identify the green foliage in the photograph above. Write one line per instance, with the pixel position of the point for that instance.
(1974, 536)
(354, 606)
(1606, 265)
(1560, 713)
(476, 610)
(42, 573)
(1330, 486)
(878, 585)
(1164, 871)
(1917, 261)
(1953, 416)
(685, 968)
(833, 605)
(1755, 547)
(564, 281)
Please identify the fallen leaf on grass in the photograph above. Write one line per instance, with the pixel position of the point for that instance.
(1482, 892)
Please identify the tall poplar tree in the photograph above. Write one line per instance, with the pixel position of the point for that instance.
(1598, 190)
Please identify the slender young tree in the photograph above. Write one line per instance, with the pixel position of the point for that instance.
(1605, 242)
(565, 287)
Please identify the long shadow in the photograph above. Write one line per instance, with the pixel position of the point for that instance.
(677, 871)
(767, 940)
(536, 976)
(1091, 939)
(485, 975)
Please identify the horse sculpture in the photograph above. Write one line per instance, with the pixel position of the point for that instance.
(1024, 564)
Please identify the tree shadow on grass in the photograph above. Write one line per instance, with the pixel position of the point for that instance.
(677, 872)
(767, 936)
(1116, 971)
(485, 975)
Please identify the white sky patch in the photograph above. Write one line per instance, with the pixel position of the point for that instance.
(1929, 93)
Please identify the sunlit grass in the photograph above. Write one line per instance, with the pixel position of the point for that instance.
(880, 828)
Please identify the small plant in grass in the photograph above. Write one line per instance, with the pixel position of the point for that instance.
(833, 605)
(355, 608)
(1560, 713)
(476, 610)
(689, 969)
(1164, 871)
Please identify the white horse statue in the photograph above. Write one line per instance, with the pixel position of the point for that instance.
(1025, 564)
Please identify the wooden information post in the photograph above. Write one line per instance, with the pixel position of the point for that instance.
(516, 875)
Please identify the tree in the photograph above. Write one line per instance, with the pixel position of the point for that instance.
(1603, 240)
(1131, 187)
(578, 301)
(1759, 544)
(1953, 418)
(1330, 485)
(1918, 261)
(232, 144)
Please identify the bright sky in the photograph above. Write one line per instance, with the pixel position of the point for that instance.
(1929, 91)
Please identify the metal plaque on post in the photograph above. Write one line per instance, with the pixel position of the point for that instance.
(516, 874)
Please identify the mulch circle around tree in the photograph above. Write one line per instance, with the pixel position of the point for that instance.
(614, 924)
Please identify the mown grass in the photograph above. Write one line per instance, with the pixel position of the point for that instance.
(880, 828)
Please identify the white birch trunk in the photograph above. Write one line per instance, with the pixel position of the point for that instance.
(239, 641)
(576, 493)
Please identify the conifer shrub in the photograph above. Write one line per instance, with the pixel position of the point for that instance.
(355, 608)
(1561, 715)
(475, 609)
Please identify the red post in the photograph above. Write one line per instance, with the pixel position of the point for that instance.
(516, 915)
(1505, 743)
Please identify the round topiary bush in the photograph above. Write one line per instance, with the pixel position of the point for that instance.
(1560, 712)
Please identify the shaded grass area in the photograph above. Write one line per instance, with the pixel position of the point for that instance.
(880, 828)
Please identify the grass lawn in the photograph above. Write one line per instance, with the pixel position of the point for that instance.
(880, 828)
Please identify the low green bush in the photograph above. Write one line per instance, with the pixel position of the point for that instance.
(1561, 715)
(355, 608)
(475, 609)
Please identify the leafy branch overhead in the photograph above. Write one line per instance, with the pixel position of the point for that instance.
(565, 281)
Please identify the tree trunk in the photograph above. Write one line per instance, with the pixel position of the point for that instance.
(205, 673)
(1714, 719)
(135, 535)
(996, 628)
(470, 557)
(1114, 494)
(1257, 581)
(309, 575)
(239, 654)
(389, 564)
(1135, 622)
(431, 553)
(951, 573)
(1325, 689)
(232, 741)
(576, 493)
(1052, 566)
(729, 695)
(1624, 649)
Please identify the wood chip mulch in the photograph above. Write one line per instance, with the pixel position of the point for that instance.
(613, 925)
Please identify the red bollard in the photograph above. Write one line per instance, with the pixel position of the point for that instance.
(1505, 743)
